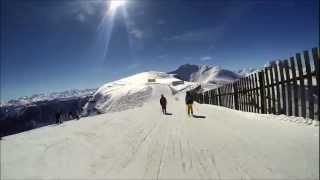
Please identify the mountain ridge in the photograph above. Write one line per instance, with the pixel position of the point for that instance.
(207, 74)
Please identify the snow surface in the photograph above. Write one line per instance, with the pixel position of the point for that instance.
(140, 142)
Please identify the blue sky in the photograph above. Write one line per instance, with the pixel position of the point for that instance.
(49, 46)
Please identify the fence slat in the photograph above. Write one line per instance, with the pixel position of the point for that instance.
(283, 88)
(246, 95)
(310, 91)
(251, 93)
(301, 86)
(235, 95)
(277, 86)
(239, 94)
(316, 60)
(295, 87)
(231, 96)
(257, 106)
(219, 97)
(213, 97)
(229, 99)
(272, 85)
(242, 94)
(289, 98)
(262, 92)
(253, 101)
(268, 96)
(227, 96)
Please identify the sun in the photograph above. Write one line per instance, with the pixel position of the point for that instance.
(115, 4)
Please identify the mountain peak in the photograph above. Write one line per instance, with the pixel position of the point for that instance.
(205, 74)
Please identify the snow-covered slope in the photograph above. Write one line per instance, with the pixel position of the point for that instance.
(131, 92)
(205, 74)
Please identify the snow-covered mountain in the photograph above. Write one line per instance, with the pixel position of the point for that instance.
(135, 90)
(47, 97)
(205, 74)
(132, 92)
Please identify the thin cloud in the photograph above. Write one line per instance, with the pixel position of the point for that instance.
(206, 58)
(137, 33)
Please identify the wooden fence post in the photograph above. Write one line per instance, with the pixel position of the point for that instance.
(309, 85)
(235, 89)
(283, 88)
(252, 98)
(288, 82)
(301, 86)
(245, 95)
(272, 86)
(295, 87)
(267, 85)
(239, 94)
(276, 77)
(262, 93)
(250, 94)
(242, 94)
(219, 97)
(256, 93)
(316, 60)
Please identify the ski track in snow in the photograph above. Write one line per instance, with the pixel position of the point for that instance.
(141, 143)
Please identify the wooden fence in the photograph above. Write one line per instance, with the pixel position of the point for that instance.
(289, 86)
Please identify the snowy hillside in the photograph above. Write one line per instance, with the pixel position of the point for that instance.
(47, 97)
(205, 74)
(131, 92)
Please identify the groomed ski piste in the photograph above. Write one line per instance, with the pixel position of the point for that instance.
(134, 140)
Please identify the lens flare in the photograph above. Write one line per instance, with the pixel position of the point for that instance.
(106, 25)
(115, 4)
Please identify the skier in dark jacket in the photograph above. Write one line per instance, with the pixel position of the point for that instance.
(58, 116)
(163, 103)
(189, 103)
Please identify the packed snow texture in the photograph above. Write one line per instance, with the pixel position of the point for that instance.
(142, 143)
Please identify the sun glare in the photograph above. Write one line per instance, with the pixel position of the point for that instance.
(115, 4)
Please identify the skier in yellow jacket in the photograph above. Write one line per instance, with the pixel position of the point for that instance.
(189, 102)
